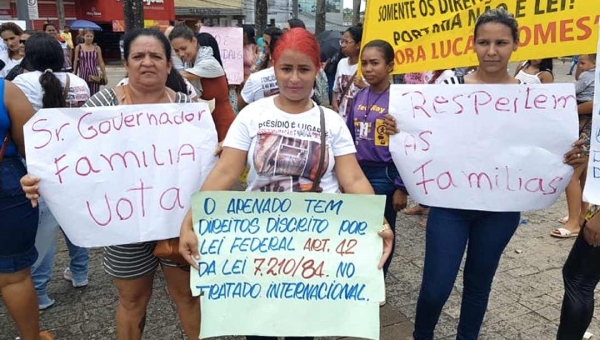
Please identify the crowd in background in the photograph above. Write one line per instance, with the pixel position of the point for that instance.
(285, 78)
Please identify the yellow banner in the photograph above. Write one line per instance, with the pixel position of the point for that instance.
(438, 34)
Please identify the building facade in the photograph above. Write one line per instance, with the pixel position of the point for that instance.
(106, 13)
(211, 12)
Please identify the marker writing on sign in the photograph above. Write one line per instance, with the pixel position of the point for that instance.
(125, 208)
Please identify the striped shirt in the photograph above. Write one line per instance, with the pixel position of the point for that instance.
(129, 261)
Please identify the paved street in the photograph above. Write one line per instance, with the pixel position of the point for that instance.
(524, 304)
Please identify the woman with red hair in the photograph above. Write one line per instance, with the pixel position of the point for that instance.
(310, 166)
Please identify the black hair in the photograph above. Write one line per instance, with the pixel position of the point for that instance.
(22, 67)
(149, 32)
(45, 54)
(250, 33)
(48, 24)
(181, 31)
(384, 47)
(176, 83)
(275, 33)
(547, 65)
(295, 22)
(592, 57)
(356, 33)
(206, 39)
(500, 16)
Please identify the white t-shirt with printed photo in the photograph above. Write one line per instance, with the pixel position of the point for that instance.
(343, 79)
(259, 85)
(284, 149)
(29, 83)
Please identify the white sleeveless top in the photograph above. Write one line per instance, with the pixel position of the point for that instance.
(527, 78)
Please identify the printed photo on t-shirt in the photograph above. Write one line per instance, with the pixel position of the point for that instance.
(287, 163)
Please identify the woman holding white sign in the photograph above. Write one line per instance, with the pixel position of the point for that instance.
(327, 158)
(148, 62)
(486, 233)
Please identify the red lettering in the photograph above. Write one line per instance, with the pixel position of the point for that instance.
(450, 182)
(424, 181)
(500, 103)
(191, 152)
(565, 30)
(35, 129)
(141, 189)
(176, 200)
(58, 171)
(416, 107)
(539, 101)
(583, 26)
(476, 102)
(124, 218)
(87, 162)
(102, 224)
(422, 137)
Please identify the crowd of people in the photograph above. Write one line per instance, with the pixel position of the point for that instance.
(285, 79)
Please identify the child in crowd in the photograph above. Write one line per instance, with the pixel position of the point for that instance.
(584, 91)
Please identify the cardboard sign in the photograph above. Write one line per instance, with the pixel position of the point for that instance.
(288, 264)
(432, 35)
(231, 46)
(121, 174)
(484, 147)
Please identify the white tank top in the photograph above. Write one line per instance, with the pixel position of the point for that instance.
(527, 78)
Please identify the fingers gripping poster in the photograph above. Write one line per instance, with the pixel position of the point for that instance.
(288, 264)
(122, 174)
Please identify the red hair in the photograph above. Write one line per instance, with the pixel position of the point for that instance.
(300, 40)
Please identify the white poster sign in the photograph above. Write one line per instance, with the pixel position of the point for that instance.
(122, 174)
(231, 47)
(32, 8)
(484, 147)
(591, 192)
(288, 264)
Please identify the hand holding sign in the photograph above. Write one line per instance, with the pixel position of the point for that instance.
(121, 174)
(286, 256)
(484, 147)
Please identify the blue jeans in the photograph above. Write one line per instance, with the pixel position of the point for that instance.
(18, 220)
(382, 179)
(447, 235)
(45, 242)
(581, 274)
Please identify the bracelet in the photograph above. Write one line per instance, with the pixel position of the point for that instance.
(386, 226)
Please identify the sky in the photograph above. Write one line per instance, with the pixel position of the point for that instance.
(348, 3)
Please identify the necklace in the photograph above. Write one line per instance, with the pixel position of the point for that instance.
(127, 99)
(370, 107)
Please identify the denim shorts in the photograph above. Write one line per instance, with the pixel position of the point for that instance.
(18, 225)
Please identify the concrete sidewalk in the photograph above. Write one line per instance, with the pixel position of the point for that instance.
(524, 304)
